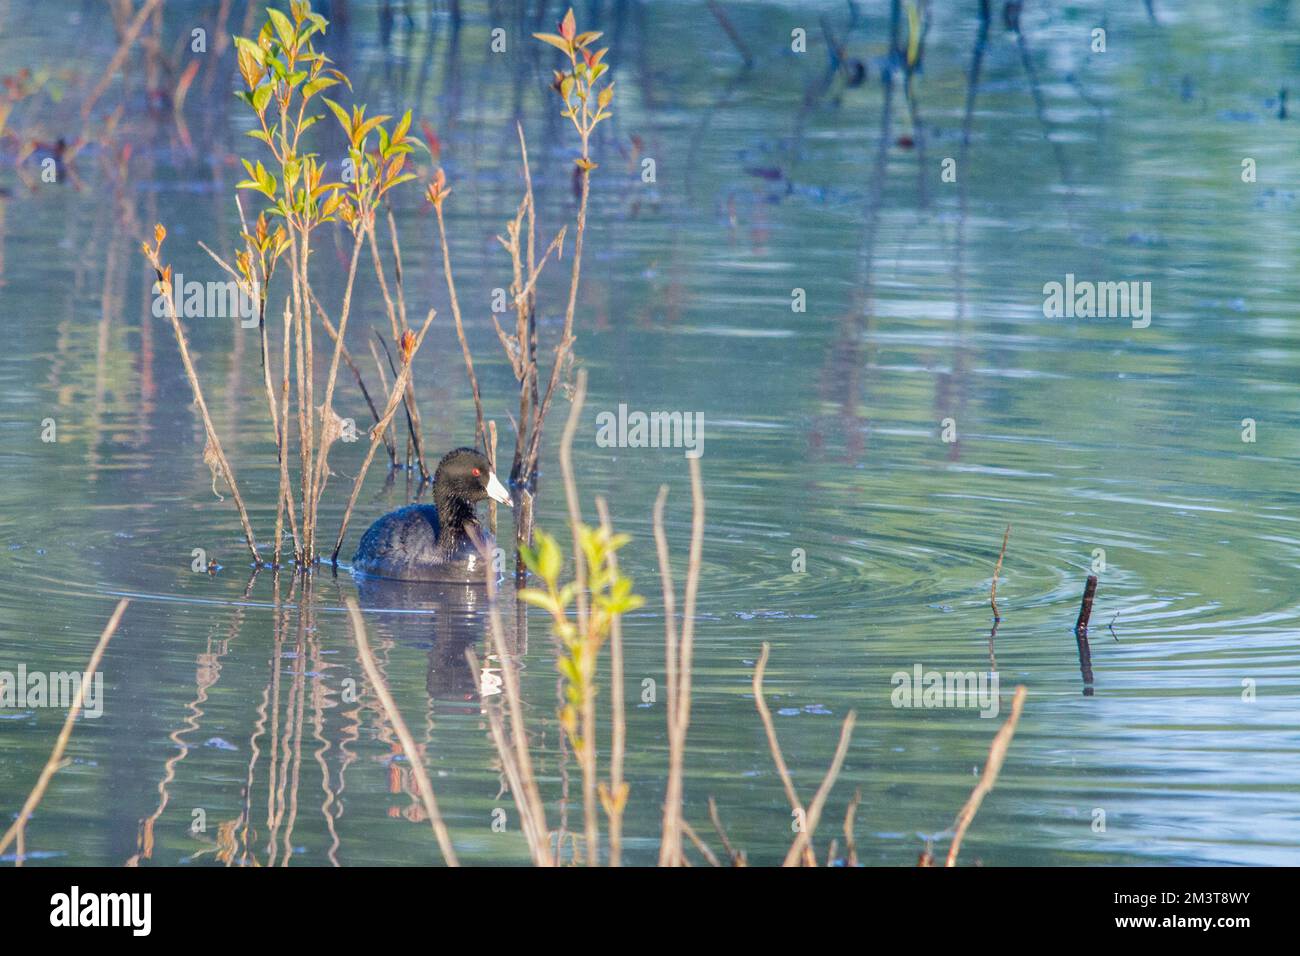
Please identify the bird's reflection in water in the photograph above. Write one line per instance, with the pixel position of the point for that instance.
(447, 619)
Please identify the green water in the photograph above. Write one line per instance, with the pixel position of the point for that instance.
(824, 440)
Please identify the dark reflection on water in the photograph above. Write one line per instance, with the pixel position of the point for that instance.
(445, 619)
(842, 527)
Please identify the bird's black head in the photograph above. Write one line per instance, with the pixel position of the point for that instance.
(465, 475)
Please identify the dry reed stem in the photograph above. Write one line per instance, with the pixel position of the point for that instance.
(397, 324)
(992, 767)
(532, 826)
(356, 372)
(228, 474)
(518, 731)
(770, 729)
(327, 407)
(281, 434)
(376, 433)
(850, 847)
(737, 856)
(773, 744)
(566, 339)
(700, 845)
(571, 496)
(993, 591)
(670, 842)
(694, 559)
(514, 778)
(286, 492)
(51, 767)
(618, 718)
(403, 734)
(397, 265)
(802, 846)
(481, 428)
(679, 658)
(588, 751)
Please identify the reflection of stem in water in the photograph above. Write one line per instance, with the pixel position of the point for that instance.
(732, 34)
(1039, 106)
(207, 674)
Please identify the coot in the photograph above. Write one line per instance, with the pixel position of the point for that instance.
(438, 542)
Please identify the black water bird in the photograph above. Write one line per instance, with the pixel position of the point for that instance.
(439, 542)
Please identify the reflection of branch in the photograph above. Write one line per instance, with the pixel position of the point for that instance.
(730, 29)
(207, 674)
(56, 755)
(1039, 106)
(128, 40)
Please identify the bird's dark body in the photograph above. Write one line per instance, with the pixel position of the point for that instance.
(408, 545)
(442, 541)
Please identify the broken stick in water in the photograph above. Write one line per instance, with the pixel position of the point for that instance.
(1085, 609)
(1081, 634)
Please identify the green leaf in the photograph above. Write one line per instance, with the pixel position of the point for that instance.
(537, 598)
(549, 557)
(360, 133)
(344, 120)
(261, 96)
(282, 26)
(403, 125)
(316, 85)
(558, 42)
(252, 49)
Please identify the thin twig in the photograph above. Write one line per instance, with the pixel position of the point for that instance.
(214, 443)
(376, 433)
(993, 591)
(737, 856)
(803, 841)
(481, 429)
(52, 765)
(850, 846)
(700, 845)
(992, 767)
(618, 721)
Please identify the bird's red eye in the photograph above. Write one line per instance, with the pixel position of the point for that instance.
(476, 473)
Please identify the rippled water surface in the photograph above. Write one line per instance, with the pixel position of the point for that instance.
(1100, 443)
